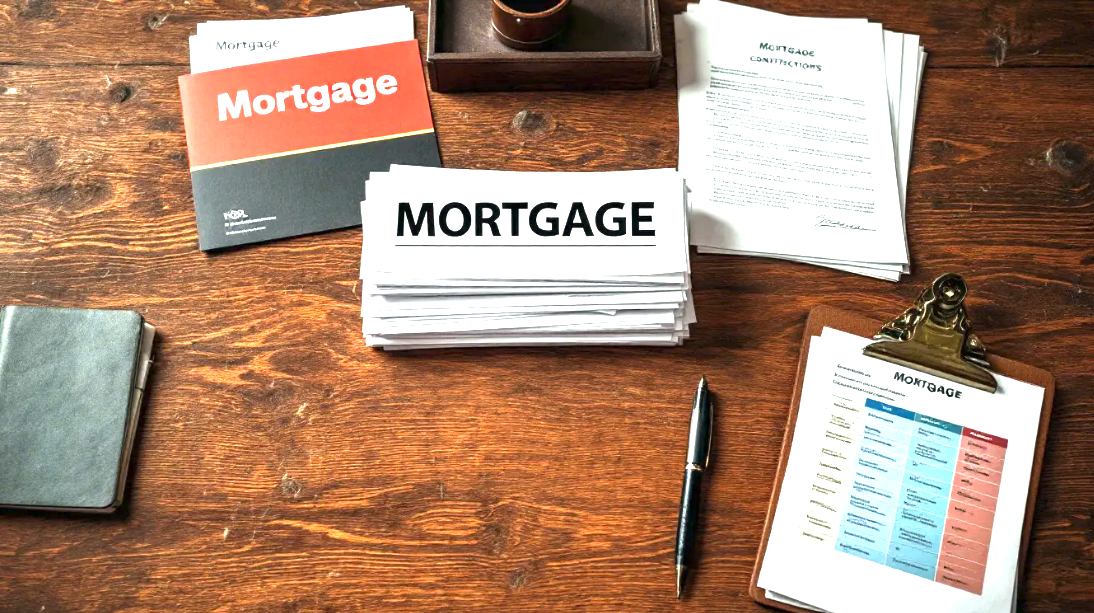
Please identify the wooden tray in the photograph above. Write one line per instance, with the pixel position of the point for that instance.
(610, 44)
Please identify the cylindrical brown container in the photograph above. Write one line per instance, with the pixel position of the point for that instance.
(529, 24)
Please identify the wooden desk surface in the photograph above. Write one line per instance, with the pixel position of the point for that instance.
(284, 466)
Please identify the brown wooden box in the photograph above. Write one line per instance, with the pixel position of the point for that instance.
(610, 44)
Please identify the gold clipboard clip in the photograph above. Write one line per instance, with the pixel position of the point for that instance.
(934, 337)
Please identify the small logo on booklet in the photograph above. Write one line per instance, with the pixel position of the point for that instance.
(238, 218)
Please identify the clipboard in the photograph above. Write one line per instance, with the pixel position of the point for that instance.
(824, 316)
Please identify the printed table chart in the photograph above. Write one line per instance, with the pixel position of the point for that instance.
(905, 490)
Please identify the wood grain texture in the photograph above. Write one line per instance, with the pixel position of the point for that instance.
(974, 33)
(284, 466)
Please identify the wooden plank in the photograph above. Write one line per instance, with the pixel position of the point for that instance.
(283, 466)
(978, 33)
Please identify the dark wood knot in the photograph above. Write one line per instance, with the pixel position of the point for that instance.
(518, 578)
(940, 147)
(273, 5)
(164, 124)
(120, 92)
(1073, 160)
(154, 21)
(532, 124)
(180, 158)
(42, 155)
(35, 9)
(289, 487)
(1068, 157)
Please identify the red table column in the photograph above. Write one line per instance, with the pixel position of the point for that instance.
(971, 513)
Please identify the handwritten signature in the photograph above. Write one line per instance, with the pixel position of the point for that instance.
(827, 222)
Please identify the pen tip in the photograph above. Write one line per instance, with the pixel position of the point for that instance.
(703, 381)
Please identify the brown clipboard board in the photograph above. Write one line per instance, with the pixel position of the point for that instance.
(824, 316)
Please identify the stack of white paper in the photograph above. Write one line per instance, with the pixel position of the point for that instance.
(463, 258)
(226, 44)
(796, 135)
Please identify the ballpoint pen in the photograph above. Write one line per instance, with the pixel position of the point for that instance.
(702, 423)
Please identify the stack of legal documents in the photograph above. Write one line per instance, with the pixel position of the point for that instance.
(464, 258)
(796, 135)
(226, 44)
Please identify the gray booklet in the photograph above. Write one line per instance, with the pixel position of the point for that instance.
(71, 383)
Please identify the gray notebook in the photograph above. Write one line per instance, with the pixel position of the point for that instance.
(71, 382)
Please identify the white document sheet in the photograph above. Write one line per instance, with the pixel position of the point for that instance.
(795, 136)
(227, 44)
(511, 291)
(593, 320)
(524, 340)
(463, 311)
(530, 242)
(909, 84)
(894, 55)
(384, 279)
(899, 98)
(316, 23)
(468, 258)
(720, 17)
(903, 492)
